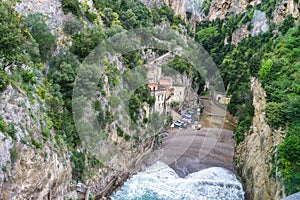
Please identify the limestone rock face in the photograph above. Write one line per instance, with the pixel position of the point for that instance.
(220, 8)
(178, 6)
(260, 23)
(151, 3)
(34, 176)
(239, 34)
(253, 155)
(28, 171)
(50, 8)
(285, 8)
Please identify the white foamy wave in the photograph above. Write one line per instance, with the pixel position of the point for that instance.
(161, 182)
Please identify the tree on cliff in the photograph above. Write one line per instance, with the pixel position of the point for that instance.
(39, 30)
(13, 36)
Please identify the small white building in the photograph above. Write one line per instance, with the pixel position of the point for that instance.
(222, 98)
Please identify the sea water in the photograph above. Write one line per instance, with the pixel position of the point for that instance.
(160, 182)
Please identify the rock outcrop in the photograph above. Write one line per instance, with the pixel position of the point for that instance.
(152, 3)
(285, 8)
(260, 23)
(254, 154)
(50, 8)
(32, 166)
(239, 34)
(180, 7)
(220, 8)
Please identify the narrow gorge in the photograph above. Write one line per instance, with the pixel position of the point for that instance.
(149, 99)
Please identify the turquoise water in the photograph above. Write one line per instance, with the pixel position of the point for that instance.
(160, 182)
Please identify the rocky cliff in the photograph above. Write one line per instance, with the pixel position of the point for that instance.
(285, 8)
(253, 156)
(220, 8)
(33, 165)
(34, 162)
(52, 9)
(41, 168)
(217, 9)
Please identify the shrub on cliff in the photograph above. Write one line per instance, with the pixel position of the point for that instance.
(3, 80)
(289, 159)
(12, 36)
(36, 24)
(72, 25)
(3, 125)
(71, 6)
(282, 86)
(85, 41)
(275, 114)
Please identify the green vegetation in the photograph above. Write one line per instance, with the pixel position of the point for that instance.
(275, 61)
(206, 35)
(206, 6)
(236, 63)
(36, 143)
(127, 137)
(71, 6)
(3, 80)
(280, 78)
(28, 40)
(289, 159)
(8, 129)
(14, 155)
(267, 6)
(142, 94)
(271, 57)
(36, 25)
(181, 65)
(11, 131)
(279, 74)
(13, 37)
(72, 25)
(275, 114)
(3, 126)
(78, 165)
(94, 162)
(120, 132)
(85, 41)
(288, 23)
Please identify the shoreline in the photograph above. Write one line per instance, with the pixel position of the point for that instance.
(186, 157)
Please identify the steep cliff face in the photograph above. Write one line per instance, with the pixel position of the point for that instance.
(32, 163)
(239, 34)
(220, 8)
(285, 8)
(253, 155)
(50, 8)
(179, 7)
